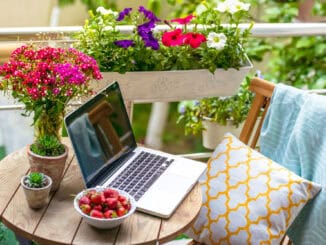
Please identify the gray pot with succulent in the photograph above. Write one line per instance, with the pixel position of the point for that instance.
(213, 117)
(37, 188)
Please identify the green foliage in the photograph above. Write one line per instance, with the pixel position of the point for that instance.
(300, 62)
(48, 145)
(36, 180)
(100, 33)
(222, 110)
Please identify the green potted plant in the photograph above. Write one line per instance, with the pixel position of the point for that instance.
(215, 116)
(36, 187)
(192, 49)
(45, 79)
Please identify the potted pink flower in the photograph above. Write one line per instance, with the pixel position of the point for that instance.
(45, 79)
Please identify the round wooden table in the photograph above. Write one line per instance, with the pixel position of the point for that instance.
(59, 223)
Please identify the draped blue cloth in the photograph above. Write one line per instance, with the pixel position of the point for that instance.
(294, 135)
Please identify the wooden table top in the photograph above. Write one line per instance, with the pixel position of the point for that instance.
(59, 223)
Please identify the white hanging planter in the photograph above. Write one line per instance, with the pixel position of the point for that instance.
(176, 85)
(214, 132)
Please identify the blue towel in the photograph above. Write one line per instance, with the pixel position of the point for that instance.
(294, 135)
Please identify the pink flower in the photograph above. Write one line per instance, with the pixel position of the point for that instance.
(183, 21)
(173, 38)
(194, 39)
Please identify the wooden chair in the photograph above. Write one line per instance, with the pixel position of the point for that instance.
(263, 92)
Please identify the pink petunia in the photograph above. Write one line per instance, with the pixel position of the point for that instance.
(173, 38)
(183, 21)
(194, 39)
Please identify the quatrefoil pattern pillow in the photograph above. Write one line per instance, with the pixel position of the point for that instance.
(248, 198)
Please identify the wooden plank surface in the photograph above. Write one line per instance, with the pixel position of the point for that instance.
(183, 217)
(12, 169)
(87, 235)
(139, 228)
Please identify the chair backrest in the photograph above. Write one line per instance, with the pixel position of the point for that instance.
(263, 92)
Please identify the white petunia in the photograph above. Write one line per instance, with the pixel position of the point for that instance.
(104, 11)
(216, 40)
(232, 6)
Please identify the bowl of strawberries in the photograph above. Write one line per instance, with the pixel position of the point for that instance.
(104, 208)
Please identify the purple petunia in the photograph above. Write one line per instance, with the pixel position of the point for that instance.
(146, 27)
(148, 14)
(124, 43)
(123, 13)
(151, 42)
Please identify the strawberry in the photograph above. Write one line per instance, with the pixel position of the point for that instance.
(97, 207)
(84, 200)
(90, 193)
(96, 198)
(126, 204)
(122, 198)
(112, 202)
(110, 214)
(96, 214)
(121, 211)
(85, 208)
(110, 193)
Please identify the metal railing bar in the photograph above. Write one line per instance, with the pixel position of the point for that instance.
(259, 30)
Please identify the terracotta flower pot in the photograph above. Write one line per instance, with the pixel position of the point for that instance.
(51, 166)
(37, 197)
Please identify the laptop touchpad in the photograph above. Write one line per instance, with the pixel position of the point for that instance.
(165, 194)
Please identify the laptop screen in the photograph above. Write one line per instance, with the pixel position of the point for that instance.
(100, 133)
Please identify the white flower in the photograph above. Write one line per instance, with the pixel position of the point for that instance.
(104, 11)
(216, 40)
(221, 7)
(232, 6)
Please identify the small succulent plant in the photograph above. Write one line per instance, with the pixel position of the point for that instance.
(48, 145)
(36, 180)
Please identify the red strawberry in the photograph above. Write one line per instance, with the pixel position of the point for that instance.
(90, 193)
(112, 202)
(110, 193)
(85, 208)
(121, 211)
(96, 198)
(84, 200)
(110, 214)
(126, 204)
(98, 207)
(96, 214)
(102, 198)
(122, 198)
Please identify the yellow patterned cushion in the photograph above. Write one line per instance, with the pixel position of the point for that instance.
(248, 198)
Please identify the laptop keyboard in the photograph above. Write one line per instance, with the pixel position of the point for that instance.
(141, 173)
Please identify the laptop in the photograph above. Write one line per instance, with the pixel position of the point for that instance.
(107, 154)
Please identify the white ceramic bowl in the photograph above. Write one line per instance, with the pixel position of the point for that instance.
(104, 223)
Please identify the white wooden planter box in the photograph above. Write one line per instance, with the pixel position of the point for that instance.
(176, 85)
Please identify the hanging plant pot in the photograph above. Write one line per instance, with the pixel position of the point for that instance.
(214, 132)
